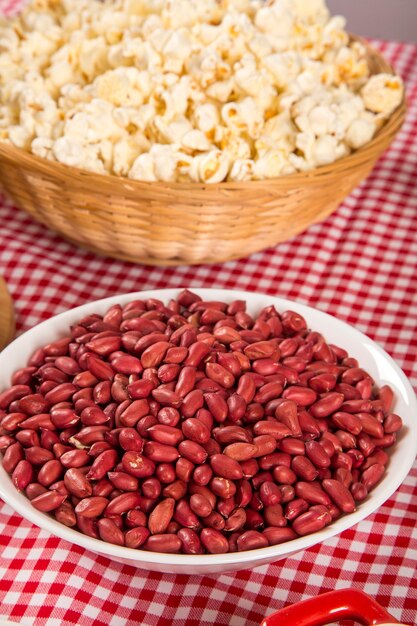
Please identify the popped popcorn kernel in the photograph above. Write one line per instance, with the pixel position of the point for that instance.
(383, 93)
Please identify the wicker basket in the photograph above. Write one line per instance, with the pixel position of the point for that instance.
(174, 223)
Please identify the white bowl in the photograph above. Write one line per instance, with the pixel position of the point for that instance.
(370, 356)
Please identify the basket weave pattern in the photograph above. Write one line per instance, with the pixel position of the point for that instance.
(185, 223)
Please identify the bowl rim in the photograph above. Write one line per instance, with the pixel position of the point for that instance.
(131, 186)
(20, 503)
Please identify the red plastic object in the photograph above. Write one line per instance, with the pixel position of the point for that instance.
(331, 607)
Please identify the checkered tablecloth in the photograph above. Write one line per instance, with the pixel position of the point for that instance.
(359, 265)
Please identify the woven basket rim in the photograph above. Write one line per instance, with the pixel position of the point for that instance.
(40, 164)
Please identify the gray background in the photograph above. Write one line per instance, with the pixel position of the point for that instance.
(380, 19)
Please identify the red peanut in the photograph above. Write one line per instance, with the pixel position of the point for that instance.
(392, 423)
(77, 483)
(302, 396)
(135, 518)
(102, 464)
(160, 453)
(246, 388)
(184, 515)
(176, 490)
(137, 465)
(265, 444)
(284, 475)
(110, 532)
(317, 454)
(372, 475)
(91, 507)
(200, 505)
(286, 412)
(236, 407)
(292, 446)
(48, 501)
(222, 487)
(251, 540)
(226, 467)
(192, 402)
(311, 493)
(36, 455)
(295, 507)
(65, 514)
(311, 521)
(231, 434)
(122, 503)
(348, 422)
(214, 541)
(192, 451)
(161, 516)
(274, 516)
(340, 495)
(327, 404)
(184, 469)
(136, 537)
(50, 472)
(191, 543)
(167, 435)
(275, 535)
(303, 468)
(11, 457)
(22, 475)
(269, 493)
(195, 430)
(217, 405)
(239, 451)
(151, 487)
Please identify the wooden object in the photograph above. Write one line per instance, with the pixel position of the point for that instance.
(7, 324)
(185, 223)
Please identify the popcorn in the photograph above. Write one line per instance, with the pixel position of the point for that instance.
(21, 136)
(242, 169)
(275, 20)
(93, 124)
(75, 154)
(243, 117)
(172, 132)
(162, 162)
(312, 10)
(180, 90)
(383, 93)
(350, 66)
(211, 167)
(196, 140)
(168, 161)
(321, 120)
(324, 150)
(283, 67)
(221, 90)
(176, 50)
(334, 34)
(124, 86)
(236, 147)
(279, 132)
(206, 117)
(143, 169)
(254, 82)
(93, 57)
(272, 164)
(360, 131)
(42, 147)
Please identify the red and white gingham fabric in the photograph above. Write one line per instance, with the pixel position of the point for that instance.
(359, 265)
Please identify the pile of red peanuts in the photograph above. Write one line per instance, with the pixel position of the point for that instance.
(193, 427)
